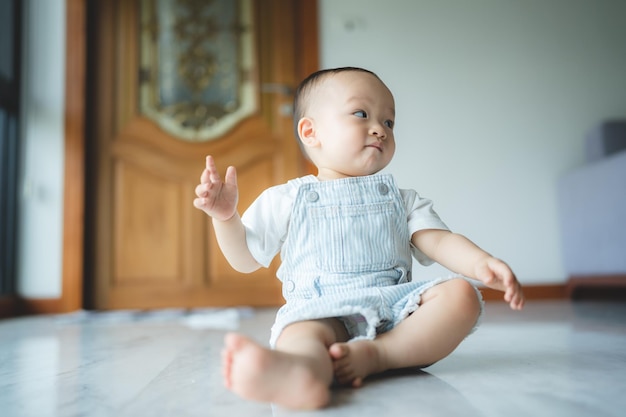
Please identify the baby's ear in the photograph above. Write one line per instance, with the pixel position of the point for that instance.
(306, 131)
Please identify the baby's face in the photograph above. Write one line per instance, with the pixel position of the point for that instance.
(353, 114)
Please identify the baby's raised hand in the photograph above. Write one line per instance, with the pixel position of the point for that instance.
(216, 198)
(496, 274)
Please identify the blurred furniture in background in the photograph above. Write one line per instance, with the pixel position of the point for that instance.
(592, 201)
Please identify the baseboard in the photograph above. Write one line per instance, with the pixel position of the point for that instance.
(8, 306)
(531, 292)
(42, 305)
(578, 287)
(597, 287)
(13, 306)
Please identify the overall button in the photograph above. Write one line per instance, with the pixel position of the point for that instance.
(290, 286)
(312, 196)
(383, 189)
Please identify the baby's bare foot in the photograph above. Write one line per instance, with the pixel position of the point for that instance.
(256, 373)
(354, 361)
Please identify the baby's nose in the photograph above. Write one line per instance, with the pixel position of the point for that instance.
(378, 131)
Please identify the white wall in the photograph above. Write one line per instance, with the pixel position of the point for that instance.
(41, 205)
(493, 100)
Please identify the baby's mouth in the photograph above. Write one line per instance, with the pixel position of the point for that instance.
(375, 146)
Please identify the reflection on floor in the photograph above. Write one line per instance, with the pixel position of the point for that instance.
(555, 358)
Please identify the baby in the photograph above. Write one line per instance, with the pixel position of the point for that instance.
(346, 238)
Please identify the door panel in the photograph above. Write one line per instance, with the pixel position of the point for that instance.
(147, 226)
(151, 248)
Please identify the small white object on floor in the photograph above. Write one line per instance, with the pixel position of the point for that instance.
(222, 319)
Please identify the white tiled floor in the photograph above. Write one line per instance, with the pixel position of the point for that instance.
(553, 359)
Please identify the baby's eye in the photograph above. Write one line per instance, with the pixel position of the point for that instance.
(389, 124)
(360, 113)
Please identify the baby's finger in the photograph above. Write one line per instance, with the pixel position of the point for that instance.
(206, 173)
(214, 176)
(205, 177)
(231, 176)
(201, 190)
(516, 299)
(517, 303)
(209, 162)
(199, 203)
(512, 288)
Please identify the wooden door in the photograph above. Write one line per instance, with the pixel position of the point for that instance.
(150, 248)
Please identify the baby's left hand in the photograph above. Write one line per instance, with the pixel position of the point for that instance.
(496, 274)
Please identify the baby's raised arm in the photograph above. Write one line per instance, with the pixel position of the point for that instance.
(461, 255)
(219, 199)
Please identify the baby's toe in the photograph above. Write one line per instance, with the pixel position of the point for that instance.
(338, 351)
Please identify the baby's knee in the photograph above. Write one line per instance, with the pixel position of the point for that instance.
(464, 296)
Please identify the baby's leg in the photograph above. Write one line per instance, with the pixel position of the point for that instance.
(446, 315)
(296, 375)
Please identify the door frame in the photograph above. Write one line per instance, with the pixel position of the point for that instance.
(74, 204)
(74, 181)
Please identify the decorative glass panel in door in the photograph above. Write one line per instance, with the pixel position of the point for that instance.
(197, 59)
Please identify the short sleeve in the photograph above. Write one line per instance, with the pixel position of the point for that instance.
(266, 222)
(420, 216)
